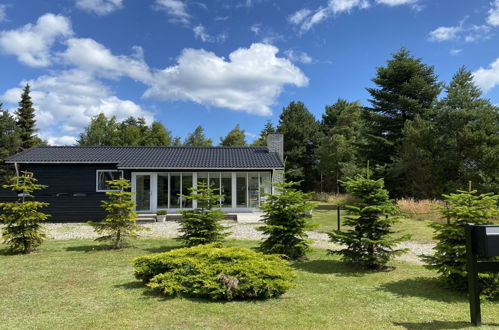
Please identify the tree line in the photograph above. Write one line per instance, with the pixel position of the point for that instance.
(424, 137)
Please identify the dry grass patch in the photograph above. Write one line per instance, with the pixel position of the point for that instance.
(424, 210)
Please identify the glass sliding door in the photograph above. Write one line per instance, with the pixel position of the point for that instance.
(186, 184)
(265, 186)
(214, 179)
(162, 190)
(175, 191)
(226, 189)
(143, 192)
(202, 178)
(241, 190)
(253, 190)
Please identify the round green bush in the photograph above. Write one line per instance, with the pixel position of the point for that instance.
(214, 272)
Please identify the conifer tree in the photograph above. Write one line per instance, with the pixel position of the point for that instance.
(26, 120)
(285, 221)
(203, 224)
(23, 232)
(235, 138)
(262, 139)
(198, 139)
(449, 260)
(369, 243)
(10, 142)
(121, 220)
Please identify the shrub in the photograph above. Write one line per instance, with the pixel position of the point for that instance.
(214, 272)
(121, 221)
(285, 218)
(202, 225)
(449, 260)
(23, 231)
(161, 212)
(369, 242)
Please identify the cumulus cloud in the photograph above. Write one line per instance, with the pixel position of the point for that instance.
(296, 56)
(468, 33)
(444, 33)
(32, 42)
(176, 10)
(99, 7)
(493, 18)
(201, 33)
(250, 80)
(65, 103)
(91, 56)
(487, 78)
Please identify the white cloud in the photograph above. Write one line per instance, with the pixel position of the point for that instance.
(201, 33)
(487, 78)
(477, 33)
(455, 51)
(296, 56)
(250, 80)
(176, 9)
(444, 33)
(32, 42)
(255, 28)
(89, 55)
(396, 2)
(493, 18)
(3, 13)
(340, 6)
(299, 16)
(66, 101)
(99, 7)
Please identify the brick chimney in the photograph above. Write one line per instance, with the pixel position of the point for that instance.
(275, 143)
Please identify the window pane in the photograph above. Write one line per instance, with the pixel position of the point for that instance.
(265, 185)
(175, 200)
(202, 177)
(241, 190)
(143, 192)
(226, 189)
(162, 191)
(253, 192)
(215, 184)
(186, 184)
(105, 176)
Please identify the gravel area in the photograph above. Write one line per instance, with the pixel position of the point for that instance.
(240, 231)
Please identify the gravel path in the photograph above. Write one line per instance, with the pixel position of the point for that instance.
(240, 231)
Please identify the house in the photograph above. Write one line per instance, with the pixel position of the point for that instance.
(76, 176)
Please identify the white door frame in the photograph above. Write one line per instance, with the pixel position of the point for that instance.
(153, 193)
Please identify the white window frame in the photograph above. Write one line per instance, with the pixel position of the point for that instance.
(97, 179)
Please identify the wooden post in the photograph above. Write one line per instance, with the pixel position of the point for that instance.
(473, 288)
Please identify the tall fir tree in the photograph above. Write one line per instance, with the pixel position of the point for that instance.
(406, 88)
(235, 138)
(338, 150)
(198, 139)
(26, 121)
(467, 125)
(262, 139)
(10, 143)
(301, 138)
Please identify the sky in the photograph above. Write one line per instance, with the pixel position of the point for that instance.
(221, 63)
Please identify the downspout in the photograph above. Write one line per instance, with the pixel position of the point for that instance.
(17, 169)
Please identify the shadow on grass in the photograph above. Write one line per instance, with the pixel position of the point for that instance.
(90, 248)
(330, 267)
(159, 249)
(440, 325)
(424, 287)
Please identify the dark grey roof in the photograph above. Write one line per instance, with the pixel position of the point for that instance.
(155, 157)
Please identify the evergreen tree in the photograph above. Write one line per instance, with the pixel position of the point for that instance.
(338, 150)
(121, 220)
(449, 260)
(26, 121)
(198, 139)
(203, 224)
(285, 221)
(235, 138)
(301, 138)
(158, 135)
(369, 243)
(468, 139)
(262, 139)
(23, 231)
(10, 143)
(100, 132)
(405, 88)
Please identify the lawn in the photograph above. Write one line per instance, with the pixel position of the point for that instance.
(75, 284)
(327, 221)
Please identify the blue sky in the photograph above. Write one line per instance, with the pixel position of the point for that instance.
(220, 63)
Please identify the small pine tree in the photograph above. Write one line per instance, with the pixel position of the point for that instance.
(23, 231)
(203, 224)
(449, 260)
(121, 221)
(286, 220)
(26, 120)
(369, 243)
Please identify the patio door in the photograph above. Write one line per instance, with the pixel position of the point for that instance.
(142, 186)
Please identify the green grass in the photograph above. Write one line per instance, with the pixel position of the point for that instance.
(76, 285)
(327, 221)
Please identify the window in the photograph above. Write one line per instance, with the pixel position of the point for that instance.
(106, 175)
